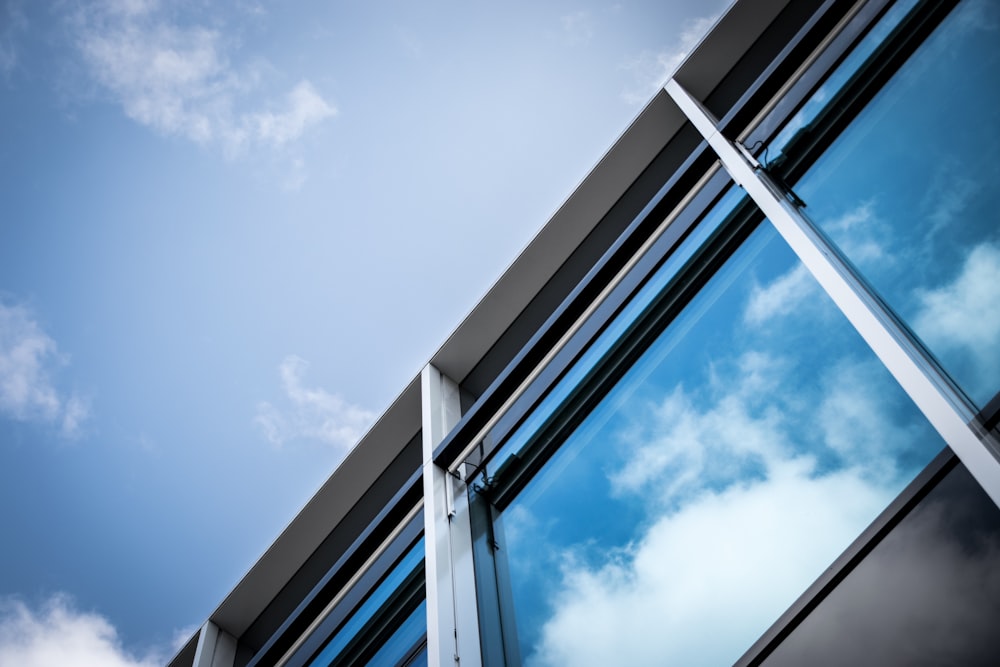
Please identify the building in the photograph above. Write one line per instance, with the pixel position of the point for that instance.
(736, 403)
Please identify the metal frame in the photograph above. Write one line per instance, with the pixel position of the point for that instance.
(374, 540)
(216, 647)
(452, 611)
(932, 392)
(851, 557)
(667, 162)
(378, 563)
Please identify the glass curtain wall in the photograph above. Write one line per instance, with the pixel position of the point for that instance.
(754, 438)
(908, 190)
(388, 626)
(927, 594)
(729, 435)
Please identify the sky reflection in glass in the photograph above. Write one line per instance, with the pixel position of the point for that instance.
(743, 452)
(413, 559)
(617, 327)
(401, 643)
(909, 192)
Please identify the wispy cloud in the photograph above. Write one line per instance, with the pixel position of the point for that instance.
(862, 234)
(782, 296)
(651, 69)
(958, 316)
(27, 358)
(59, 634)
(578, 26)
(178, 79)
(12, 23)
(312, 412)
(738, 475)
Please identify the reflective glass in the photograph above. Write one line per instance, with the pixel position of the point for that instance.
(400, 648)
(726, 469)
(600, 347)
(407, 565)
(928, 594)
(909, 191)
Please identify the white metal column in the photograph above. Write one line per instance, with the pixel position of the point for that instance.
(452, 615)
(932, 393)
(216, 647)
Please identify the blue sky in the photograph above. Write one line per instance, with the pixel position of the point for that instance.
(229, 235)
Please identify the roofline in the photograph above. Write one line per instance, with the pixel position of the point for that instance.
(651, 130)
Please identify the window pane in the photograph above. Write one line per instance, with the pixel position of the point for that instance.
(747, 447)
(600, 347)
(909, 191)
(402, 647)
(928, 594)
(379, 604)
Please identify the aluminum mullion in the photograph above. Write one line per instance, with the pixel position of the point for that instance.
(933, 394)
(452, 612)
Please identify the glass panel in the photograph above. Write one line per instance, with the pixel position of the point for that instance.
(909, 191)
(380, 598)
(741, 454)
(598, 349)
(401, 647)
(928, 594)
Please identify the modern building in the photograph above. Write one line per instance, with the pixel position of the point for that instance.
(735, 404)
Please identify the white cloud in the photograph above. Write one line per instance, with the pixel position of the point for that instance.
(861, 234)
(27, 358)
(178, 79)
(313, 413)
(744, 509)
(782, 296)
(960, 315)
(853, 422)
(655, 604)
(678, 450)
(59, 634)
(650, 70)
(304, 107)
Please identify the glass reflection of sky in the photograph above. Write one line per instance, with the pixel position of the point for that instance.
(402, 641)
(413, 558)
(910, 192)
(632, 310)
(745, 450)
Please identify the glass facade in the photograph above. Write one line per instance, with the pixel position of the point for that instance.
(908, 190)
(747, 447)
(719, 443)
(373, 633)
(928, 594)
(702, 478)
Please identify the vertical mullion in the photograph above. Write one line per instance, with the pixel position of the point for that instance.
(452, 616)
(933, 393)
